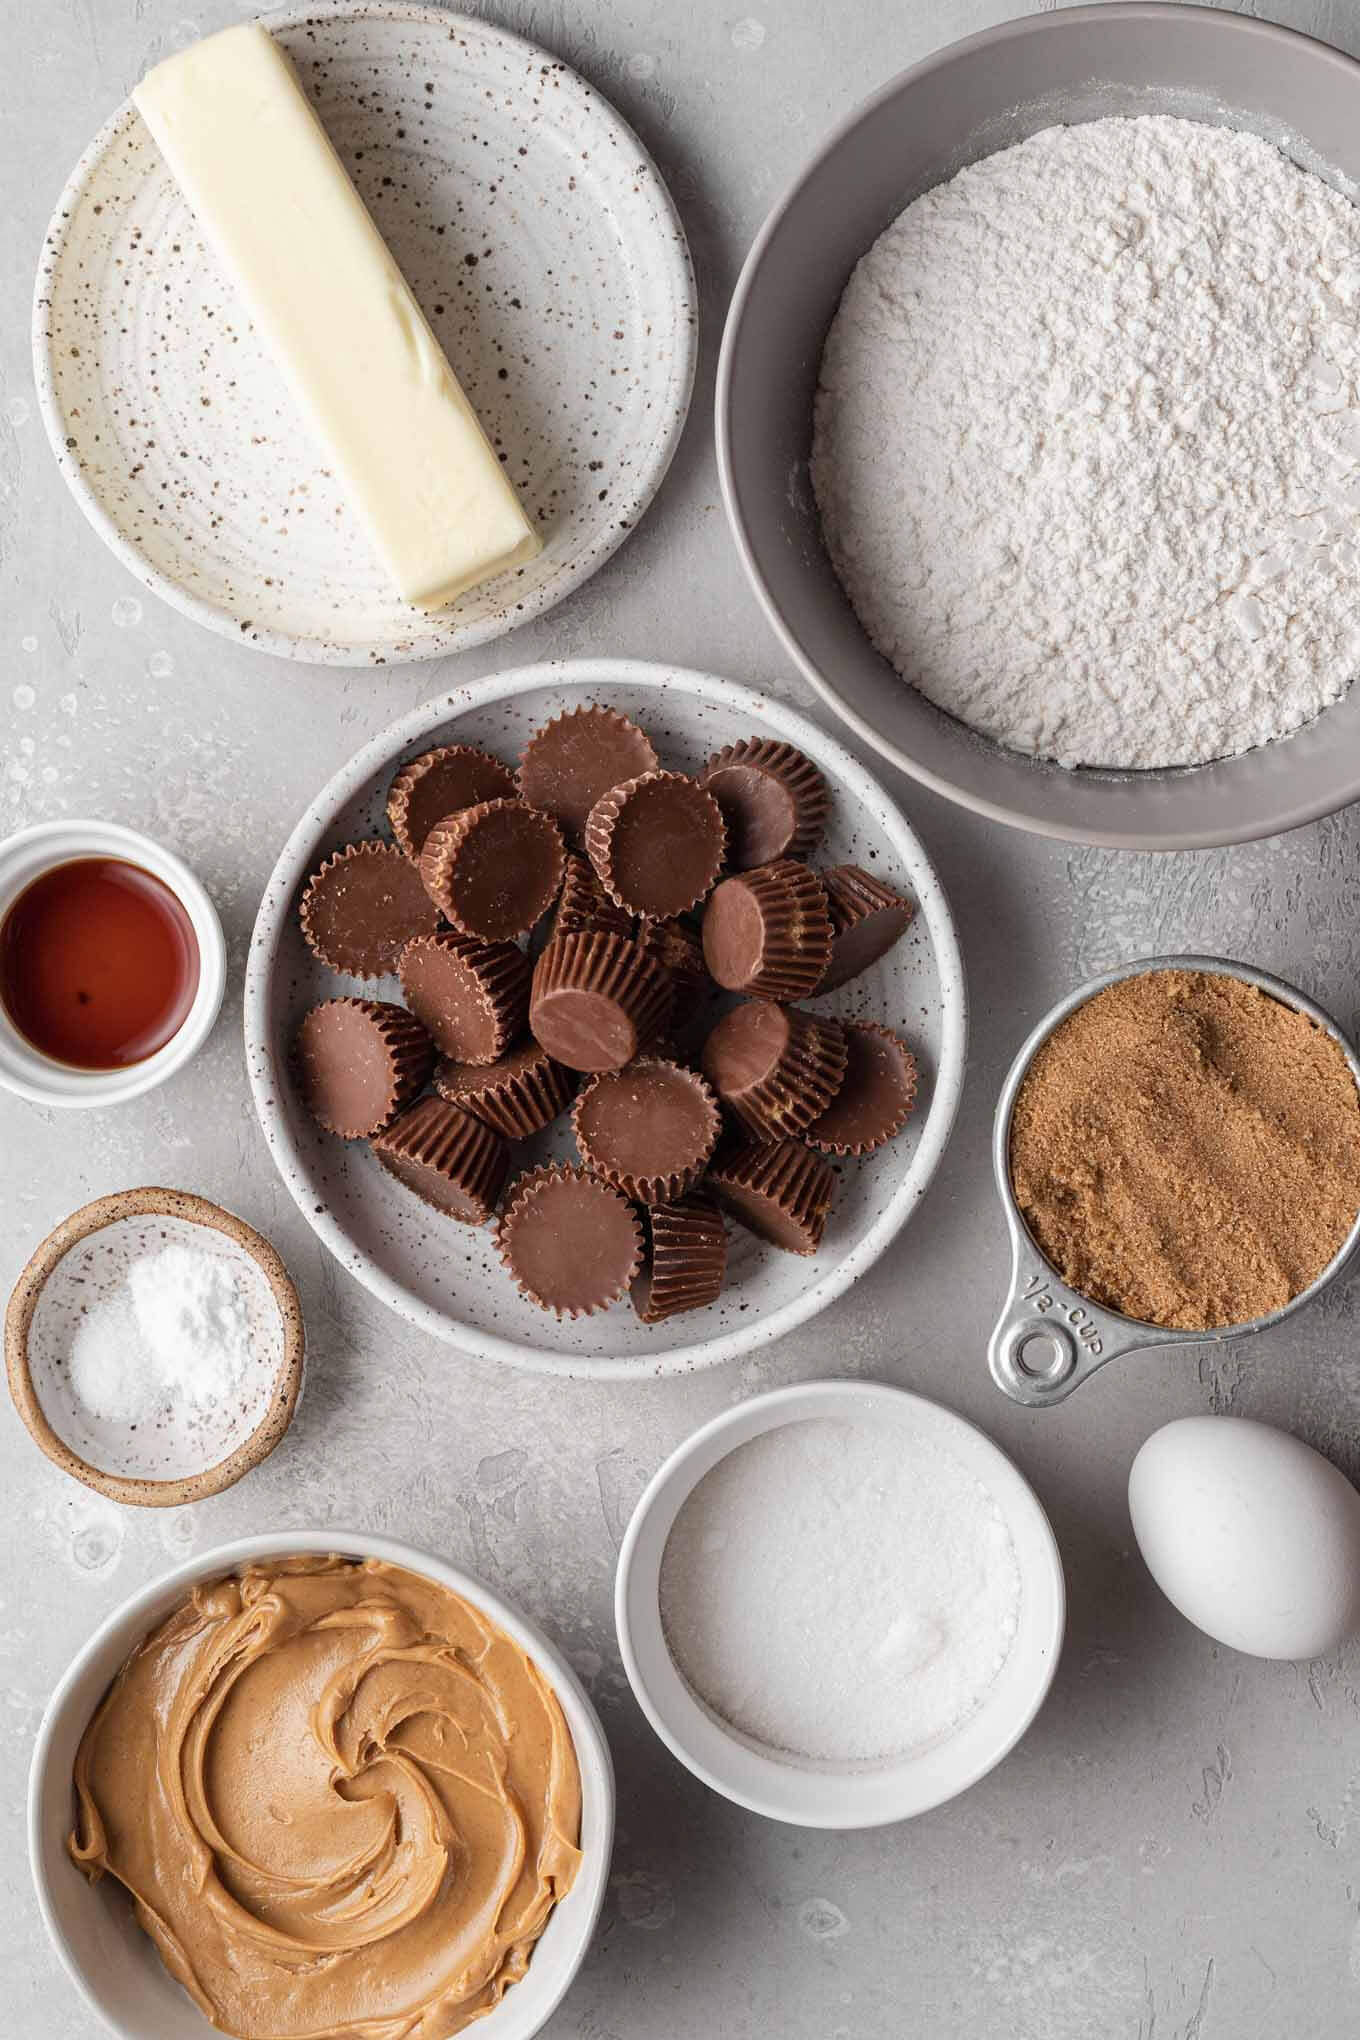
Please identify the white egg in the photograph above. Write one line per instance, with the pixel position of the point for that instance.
(1250, 1533)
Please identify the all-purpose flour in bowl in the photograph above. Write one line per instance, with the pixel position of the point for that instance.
(840, 1591)
(1087, 443)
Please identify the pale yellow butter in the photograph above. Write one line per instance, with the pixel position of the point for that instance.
(274, 200)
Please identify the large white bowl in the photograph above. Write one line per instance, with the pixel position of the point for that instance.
(108, 1957)
(839, 1795)
(447, 1277)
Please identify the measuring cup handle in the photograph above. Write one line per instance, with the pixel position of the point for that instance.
(1048, 1339)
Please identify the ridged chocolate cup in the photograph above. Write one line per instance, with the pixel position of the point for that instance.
(680, 953)
(358, 1061)
(776, 1068)
(440, 783)
(518, 1095)
(571, 1242)
(448, 1158)
(767, 932)
(362, 907)
(648, 1129)
(867, 918)
(597, 1002)
(657, 844)
(876, 1097)
(584, 907)
(686, 1263)
(780, 1191)
(575, 758)
(774, 801)
(495, 869)
(471, 997)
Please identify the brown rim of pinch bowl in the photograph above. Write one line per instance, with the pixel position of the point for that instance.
(921, 128)
(92, 1218)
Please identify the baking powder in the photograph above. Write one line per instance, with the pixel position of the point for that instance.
(840, 1592)
(1087, 443)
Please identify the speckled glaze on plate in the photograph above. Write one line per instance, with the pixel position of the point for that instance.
(542, 245)
(448, 1278)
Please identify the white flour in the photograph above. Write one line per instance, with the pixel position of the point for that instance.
(1087, 443)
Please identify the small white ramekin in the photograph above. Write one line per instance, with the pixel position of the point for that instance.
(26, 856)
(108, 1957)
(831, 1795)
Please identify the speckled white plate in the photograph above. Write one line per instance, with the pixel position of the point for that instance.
(447, 1277)
(540, 241)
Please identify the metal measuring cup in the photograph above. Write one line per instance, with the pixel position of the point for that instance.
(1049, 1338)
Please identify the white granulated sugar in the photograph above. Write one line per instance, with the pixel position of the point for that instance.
(840, 1592)
(1087, 443)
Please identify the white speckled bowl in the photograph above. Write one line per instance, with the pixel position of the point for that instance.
(542, 245)
(105, 1953)
(447, 1277)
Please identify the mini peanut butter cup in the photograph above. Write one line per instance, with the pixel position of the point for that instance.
(441, 783)
(584, 907)
(362, 907)
(472, 997)
(448, 1158)
(358, 1061)
(679, 952)
(774, 801)
(575, 758)
(686, 1261)
(597, 1001)
(656, 843)
(518, 1095)
(571, 1241)
(875, 1099)
(648, 1129)
(780, 1191)
(777, 1069)
(767, 932)
(494, 869)
(867, 918)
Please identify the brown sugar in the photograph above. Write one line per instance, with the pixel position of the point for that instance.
(1186, 1150)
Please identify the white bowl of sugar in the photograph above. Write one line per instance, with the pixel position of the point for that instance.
(839, 1604)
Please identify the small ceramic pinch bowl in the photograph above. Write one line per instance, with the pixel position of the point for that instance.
(27, 856)
(772, 1782)
(112, 1962)
(189, 1451)
(1049, 1338)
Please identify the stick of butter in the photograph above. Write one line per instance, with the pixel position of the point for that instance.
(273, 199)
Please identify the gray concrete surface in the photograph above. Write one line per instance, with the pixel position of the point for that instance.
(1174, 1850)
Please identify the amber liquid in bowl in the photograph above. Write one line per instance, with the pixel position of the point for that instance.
(98, 963)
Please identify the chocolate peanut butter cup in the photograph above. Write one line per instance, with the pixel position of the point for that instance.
(518, 1095)
(686, 1259)
(774, 801)
(448, 1158)
(767, 932)
(780, 1191)
(575, 758)
(472, 997)
(867, 918)
(362, 907)
(494, 869)
(597, 1001)
(571, 1242)
(777, 1069)
(656, 843)
(680, 953)
(441, 783)
(648, 1129)
(875, 1099)
(584, 907)
(358, 1061)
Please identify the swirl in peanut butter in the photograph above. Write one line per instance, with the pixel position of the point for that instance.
(344, 1802)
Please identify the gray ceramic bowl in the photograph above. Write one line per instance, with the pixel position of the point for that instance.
(963, 103)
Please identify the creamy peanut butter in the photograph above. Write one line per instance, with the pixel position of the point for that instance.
(344, 1802)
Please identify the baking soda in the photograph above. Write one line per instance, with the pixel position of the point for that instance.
(176, 1329)
(839, 1592)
